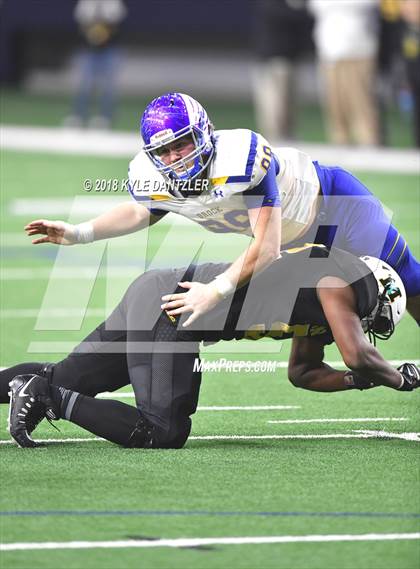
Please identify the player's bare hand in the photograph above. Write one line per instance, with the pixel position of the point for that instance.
(199, 299)
(58, 232)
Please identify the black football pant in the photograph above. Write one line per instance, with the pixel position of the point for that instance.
(165, 386)
(137, 344)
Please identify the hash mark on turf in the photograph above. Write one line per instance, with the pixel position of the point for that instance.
(340, 420)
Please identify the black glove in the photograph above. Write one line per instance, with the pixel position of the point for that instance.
(411, 376)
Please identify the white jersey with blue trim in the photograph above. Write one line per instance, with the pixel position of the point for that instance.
(244, 173)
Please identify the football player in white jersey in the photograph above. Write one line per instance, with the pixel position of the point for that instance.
(233, 181)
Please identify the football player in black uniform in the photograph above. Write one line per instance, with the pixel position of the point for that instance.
(325, 295)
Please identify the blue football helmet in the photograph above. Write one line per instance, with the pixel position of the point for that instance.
(170, 117)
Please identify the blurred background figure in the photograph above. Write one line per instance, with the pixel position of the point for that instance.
(98, 22)
(202, 48)
(410, 16)
(282, 37)
(346, 41)
(389, 64)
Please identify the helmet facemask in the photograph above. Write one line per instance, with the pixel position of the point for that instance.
(379, 324)
(390, 307)
(188, 167)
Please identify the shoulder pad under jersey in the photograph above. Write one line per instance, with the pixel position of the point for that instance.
(242, 158)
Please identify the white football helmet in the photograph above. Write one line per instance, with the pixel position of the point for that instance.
(391, 303)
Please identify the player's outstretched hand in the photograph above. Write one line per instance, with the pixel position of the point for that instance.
(58, 232)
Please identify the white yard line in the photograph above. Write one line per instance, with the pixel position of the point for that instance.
(69, 141)
(206, 541)
(125, 395)
(71, 273)
(68, 440)
(21, 240)
(111, 395)
(341, 420)
(248, 408)
(51, 312)
(356, 434)
(359, 434)
(108, 395)
(126, 144)
(91, 204)
(84, 205)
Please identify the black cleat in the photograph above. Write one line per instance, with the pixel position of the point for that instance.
(30, 402)
(411, 376)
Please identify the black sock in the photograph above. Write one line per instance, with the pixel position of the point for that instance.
(64, 400)
(111, 420)
(21, 369)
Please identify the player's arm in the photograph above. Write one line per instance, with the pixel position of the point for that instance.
(307, 369)
(368, 367)
(264, 249)
(121, 220)
(199, 298)
(264, 213)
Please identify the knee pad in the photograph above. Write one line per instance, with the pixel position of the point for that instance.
(177, 435)
(147, 435)
(181, 438)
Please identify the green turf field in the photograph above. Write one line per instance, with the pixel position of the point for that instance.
(316, 478)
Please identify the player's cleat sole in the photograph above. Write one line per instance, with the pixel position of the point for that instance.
(30, 402)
